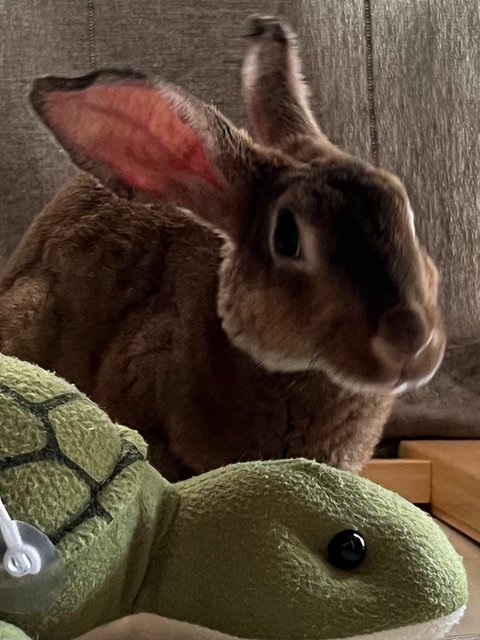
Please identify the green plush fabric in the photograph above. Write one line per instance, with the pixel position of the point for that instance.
(9, 632)
(241, 549)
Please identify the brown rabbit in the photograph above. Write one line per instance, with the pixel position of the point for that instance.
(272, 306)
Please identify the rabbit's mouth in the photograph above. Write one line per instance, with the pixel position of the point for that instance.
(418, 370)
(402, 386)
(394, 382)
(278, 362)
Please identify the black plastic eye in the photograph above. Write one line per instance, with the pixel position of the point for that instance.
(286, 237)
(347, 550)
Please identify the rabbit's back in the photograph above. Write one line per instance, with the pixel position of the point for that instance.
(89, 269)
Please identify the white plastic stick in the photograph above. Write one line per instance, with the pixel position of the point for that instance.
(9, 529)
(20, 559)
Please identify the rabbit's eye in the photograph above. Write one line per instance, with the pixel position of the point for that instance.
(286, 237)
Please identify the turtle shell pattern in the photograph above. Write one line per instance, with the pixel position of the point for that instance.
(58, 450)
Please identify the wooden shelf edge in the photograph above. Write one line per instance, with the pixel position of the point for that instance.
(456, 523)
(455, 480)
(409, 478)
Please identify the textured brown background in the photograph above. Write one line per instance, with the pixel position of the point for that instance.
(424, 113)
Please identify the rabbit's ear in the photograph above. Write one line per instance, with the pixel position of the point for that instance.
(150, 141)
(275, 93)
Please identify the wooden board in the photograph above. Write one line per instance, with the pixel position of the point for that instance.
(409, 478)
(455, 469)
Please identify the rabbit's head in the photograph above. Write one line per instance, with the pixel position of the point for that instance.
(321, 267)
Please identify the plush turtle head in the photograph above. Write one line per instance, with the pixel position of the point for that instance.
(266, 550)
(294, 549)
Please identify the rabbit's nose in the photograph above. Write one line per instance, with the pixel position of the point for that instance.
(403, 334)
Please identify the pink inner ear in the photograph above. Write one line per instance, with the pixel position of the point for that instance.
(132, 130)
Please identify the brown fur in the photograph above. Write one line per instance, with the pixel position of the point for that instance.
(189, 328)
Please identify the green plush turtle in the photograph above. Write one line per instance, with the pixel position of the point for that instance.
(281, 550)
